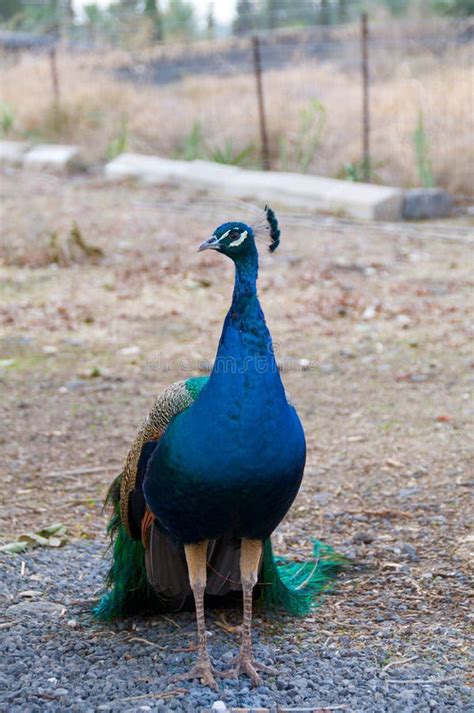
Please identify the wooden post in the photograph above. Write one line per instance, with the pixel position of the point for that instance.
(366, 168)
(265, 152)
(325, 13)
(54, 76)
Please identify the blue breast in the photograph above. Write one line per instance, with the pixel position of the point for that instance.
(232, 463)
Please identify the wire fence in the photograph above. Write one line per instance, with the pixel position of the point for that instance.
(389, 102)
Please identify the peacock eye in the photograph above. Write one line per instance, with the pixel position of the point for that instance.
(234, 234)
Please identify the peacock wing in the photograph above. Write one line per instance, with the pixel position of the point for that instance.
(170, 403)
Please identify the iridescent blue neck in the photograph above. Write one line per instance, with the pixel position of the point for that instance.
(245, 358)
(245, 304)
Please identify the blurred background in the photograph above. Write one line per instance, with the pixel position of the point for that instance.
(175, 78)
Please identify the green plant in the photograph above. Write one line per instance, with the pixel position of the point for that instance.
(355, 171)
(423, 160)
(7, 119)
(192, 147)
(226, 154)
(119, 144)
(459, 8)
(302, 150)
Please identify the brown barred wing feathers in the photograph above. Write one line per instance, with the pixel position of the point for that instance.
(169, 403)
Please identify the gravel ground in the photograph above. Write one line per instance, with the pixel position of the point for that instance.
(55, 657)
(374, 323)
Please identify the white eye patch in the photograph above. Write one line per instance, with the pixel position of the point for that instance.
(239, 240)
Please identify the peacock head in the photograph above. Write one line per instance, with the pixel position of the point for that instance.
(237, 240)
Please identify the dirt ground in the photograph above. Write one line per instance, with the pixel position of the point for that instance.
(371, 324)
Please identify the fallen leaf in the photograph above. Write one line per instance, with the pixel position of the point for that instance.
(50, 536)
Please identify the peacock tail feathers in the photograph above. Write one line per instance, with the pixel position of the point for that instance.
(129, 591)
(296, 587)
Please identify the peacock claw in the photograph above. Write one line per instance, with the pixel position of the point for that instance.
(248, 665)
(202, 670)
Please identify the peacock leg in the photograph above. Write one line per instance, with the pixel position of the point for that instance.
(250, 554)
(196, 558)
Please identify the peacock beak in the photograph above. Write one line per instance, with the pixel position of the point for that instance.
(211, 243)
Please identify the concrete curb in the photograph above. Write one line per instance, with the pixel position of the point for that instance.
(356, 200)
(58, 157)
(295, 190)
(12, 152)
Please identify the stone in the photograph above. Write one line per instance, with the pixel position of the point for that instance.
(313, 193)
(56, 156)
(61, 692)
(364, 537)
(424, 203)
(35, 608)
(410, 551)
(11, 152)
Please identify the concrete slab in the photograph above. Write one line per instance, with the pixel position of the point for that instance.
(11, 152)
(357, 200)
(426, 203)
(56, 156)
(153, 169)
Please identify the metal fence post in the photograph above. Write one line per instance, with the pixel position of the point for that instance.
(265, 152)
(54, 76)
(366, 168)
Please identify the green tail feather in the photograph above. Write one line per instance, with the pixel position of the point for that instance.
(129, 591)
(292, 586)
(296, 586)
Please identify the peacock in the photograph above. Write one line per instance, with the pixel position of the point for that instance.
(213, 470)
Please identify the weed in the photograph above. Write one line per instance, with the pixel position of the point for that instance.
(301, 151)
(7, 119)
(228, 155)
(355, 171)
(422, 152)
(192, 147)
(72, 249)
(312, 122)
(195, 147)
(120, 143)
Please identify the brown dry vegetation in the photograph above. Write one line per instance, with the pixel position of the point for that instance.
(94, 102)
(380, 316)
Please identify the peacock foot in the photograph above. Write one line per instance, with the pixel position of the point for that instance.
(247, 664)
(202, 670)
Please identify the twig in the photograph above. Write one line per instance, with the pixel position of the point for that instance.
(385, 512)
(77, 602)
(423, 682)
(162, 694)
(320, 708)
(229, 628)
(145, 641)
(399, 663)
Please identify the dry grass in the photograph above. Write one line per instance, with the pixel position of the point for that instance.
(94, 102)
